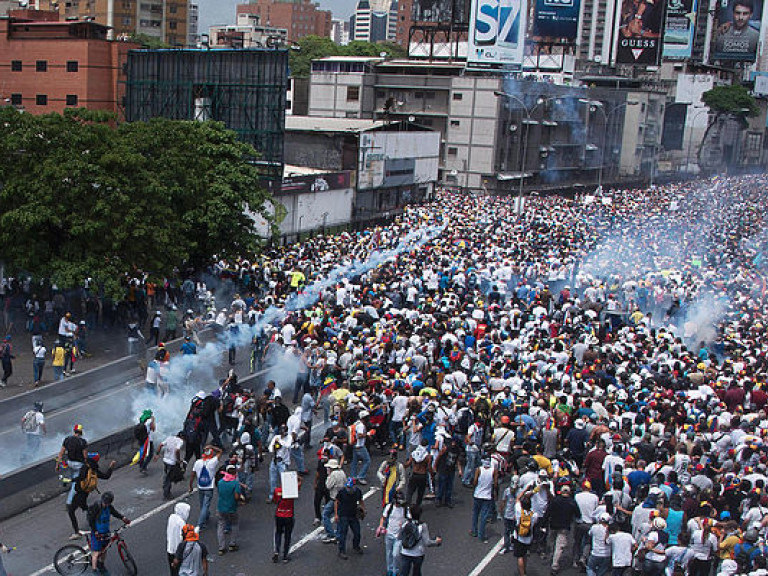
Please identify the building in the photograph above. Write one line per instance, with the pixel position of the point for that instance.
(375, 21)
(394, 163)
(165, 20)
(244, 89)
(299, 17)
(595, 32)
(247, 33)
(405, 10)
(342, 87)
(193, 19)
(340, 31)
(48, 66)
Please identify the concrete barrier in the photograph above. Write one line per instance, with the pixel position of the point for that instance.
(37, 483)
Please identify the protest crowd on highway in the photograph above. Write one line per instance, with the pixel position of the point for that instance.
(589, 376)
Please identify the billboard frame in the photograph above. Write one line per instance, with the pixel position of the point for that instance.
(485, 49)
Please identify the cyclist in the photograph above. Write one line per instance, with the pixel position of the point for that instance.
(98, 518)
(86, 482)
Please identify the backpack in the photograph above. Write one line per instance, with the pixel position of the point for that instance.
(743, 556)
(29, 421)
(525, 523)
(204, 479)
(90, 482)
(410, 534)
(140, 432)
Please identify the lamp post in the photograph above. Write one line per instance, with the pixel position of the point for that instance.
(596, 105)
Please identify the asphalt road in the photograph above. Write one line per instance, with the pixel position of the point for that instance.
(40, 532)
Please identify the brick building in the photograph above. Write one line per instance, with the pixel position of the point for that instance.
(47, 65)
(299, 17)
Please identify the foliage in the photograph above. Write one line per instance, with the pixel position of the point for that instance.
(147, 41)
(313, 47)
(79, 198)
(730, 99)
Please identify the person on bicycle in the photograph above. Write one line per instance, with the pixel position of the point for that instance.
(86, 482)
(98, 517)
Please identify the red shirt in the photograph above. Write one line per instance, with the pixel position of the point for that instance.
(284, 506)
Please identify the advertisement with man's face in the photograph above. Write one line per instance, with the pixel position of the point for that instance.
(640, 32)
(737, 31)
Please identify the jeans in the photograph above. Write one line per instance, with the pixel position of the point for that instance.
(651, 568)
(600, 565)
(406, 562)
(58, 373)
(205, 506)
(481, 511)
(228, 522)
(283, 530)
(392, 548)
(2, 568)
(297, 457)
(330, 529)
(33, 446)
(167, 480)
(396, 432)
(246, 479)
(275, 469)
(445, 488)
(37, 367)
(360, 453)
(509, 528)
(473, 461)
(346, 523)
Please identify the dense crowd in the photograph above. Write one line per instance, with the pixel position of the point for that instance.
(592, 371)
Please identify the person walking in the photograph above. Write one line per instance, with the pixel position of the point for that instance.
(38, 360)
(414, 539)
(3, 550)
(334, 483)
(280, 447)
(599, 562)
(154, 330)
(284, 522)
(204, 472)
(358, 437)
(525, 523)
(33, 426)
(561, 512)
(170, 450)
(349, 503)
(228, 524)
(191, 558)
(57, 360)
(486, 484)
(394, 515)
(83, 484)
(73, 453)
(173, 536)
(6, 360)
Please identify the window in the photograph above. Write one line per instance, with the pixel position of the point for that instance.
(455, 123)
(41, 66)
(172, 25)
(418, 95)
(73, 66)
(41, 100)
(15, 65)
(452, 151)
(71, 99)
(173, 9)
(429, 95)
(15, 99)
(353, 93)
(458, 96)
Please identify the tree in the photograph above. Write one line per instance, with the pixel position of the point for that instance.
(313, 47)
(734, 101)
(79, 198)
(147, 41)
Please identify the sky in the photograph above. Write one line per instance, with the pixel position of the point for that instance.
(216, 12)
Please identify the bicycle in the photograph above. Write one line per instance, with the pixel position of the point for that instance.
(74, 559)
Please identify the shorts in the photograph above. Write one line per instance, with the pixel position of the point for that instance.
(519, 549)
(99, 541)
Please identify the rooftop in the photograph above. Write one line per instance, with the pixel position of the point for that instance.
(321, 124)
(349, 59)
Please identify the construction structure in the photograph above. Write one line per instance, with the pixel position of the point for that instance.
(244, 89)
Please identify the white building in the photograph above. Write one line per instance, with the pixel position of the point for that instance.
(375, 21)
(340, 31)
(247, 33)
(193, 18)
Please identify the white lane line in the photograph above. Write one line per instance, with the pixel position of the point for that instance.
(316, 532)
(487, 560)
(139, 520)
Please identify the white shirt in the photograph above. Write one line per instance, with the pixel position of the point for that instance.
(171, 445)
(211, 465)
(621, 549)
(587, 502)
(399, 408)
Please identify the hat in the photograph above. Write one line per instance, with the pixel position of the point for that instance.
(231, 468)
(364, 414)
(579, 424)
(78, 429)
(659, 523)
(146, 415)
(604, 517)
(333, 464)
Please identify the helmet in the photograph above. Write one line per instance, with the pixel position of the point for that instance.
(78, 429)
(107, 498)
(38, 406)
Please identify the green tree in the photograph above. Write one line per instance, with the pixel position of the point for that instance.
(313, 47)
(80, 198)
(734, 101)
(147, 41)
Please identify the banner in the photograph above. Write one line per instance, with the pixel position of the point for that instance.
(497, 32)
(315, 183)
(679, 28)
(640, 32)
(556, 19)
(736, 33)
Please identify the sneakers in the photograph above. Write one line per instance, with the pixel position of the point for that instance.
(222, 551)
(343, 556)
(234, 547)
(358, 551)
(275, 557)
(286, 559)
(316, 522)
(329, 540)
(362, 481)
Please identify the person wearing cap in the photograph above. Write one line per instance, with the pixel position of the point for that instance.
(85, 483)
(561, 512)
(33, 426)
(204, 472)
(228, 522)
(655, 543)
(348, 506)
(358, 437)
(334, 481)
(599, 562)
(73, 453)
(57, 360)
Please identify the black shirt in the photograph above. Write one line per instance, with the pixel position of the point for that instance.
(561, 512)
(347, 502)
(74, 447)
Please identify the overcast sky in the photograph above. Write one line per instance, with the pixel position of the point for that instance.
(215, 12)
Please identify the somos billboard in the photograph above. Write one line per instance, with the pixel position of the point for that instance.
(497, 32)
(737, 33)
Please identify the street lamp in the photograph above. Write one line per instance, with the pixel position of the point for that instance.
(690, 137)
(596, 105)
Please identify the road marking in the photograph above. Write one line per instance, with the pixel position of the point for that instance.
(487, 560)
(139, 520)
(316, 532)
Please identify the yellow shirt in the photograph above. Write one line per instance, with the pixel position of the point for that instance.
(58, 356)
(544, 463)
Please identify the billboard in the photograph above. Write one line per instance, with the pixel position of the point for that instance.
(679, 28)
(316, 183)
(737, 33)
(558, 19)
(640, 32)
(497, 32)
(390, 159)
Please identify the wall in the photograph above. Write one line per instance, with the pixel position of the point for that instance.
(391, 159)
(316, 210)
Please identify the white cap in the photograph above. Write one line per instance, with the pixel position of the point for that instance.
(364, 413)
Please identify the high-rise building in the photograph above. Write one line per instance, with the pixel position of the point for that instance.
(340, 31)
(375, 21)
(193, 18)
(299, 17)
(166, 20)
(595, 34)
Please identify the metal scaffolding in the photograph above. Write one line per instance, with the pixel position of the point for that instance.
(244, 89)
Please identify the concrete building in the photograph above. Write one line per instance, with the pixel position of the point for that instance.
(193, 20)
(342, 87)
(375, 21)
(47, 65)
(394, 163)
(247, 33)
(340, 31)
(299, 17)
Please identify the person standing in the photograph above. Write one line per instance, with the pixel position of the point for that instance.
(38, 360)
(144, 432)
(33, 426)
(561, 512)
(154, 330)
(358, 437)
(280, 447)
(170, 450)
(73, 453)
(599, 563)
(204, 471)
(394, 515)
(191, 558)
(412, 556)
(486, 484)
(525, 523)
(284, 522)
(173, 536)
(349, 501)
(228, 522)
(57, 360)
(171, 324)
(334, 483)
(6, 359)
